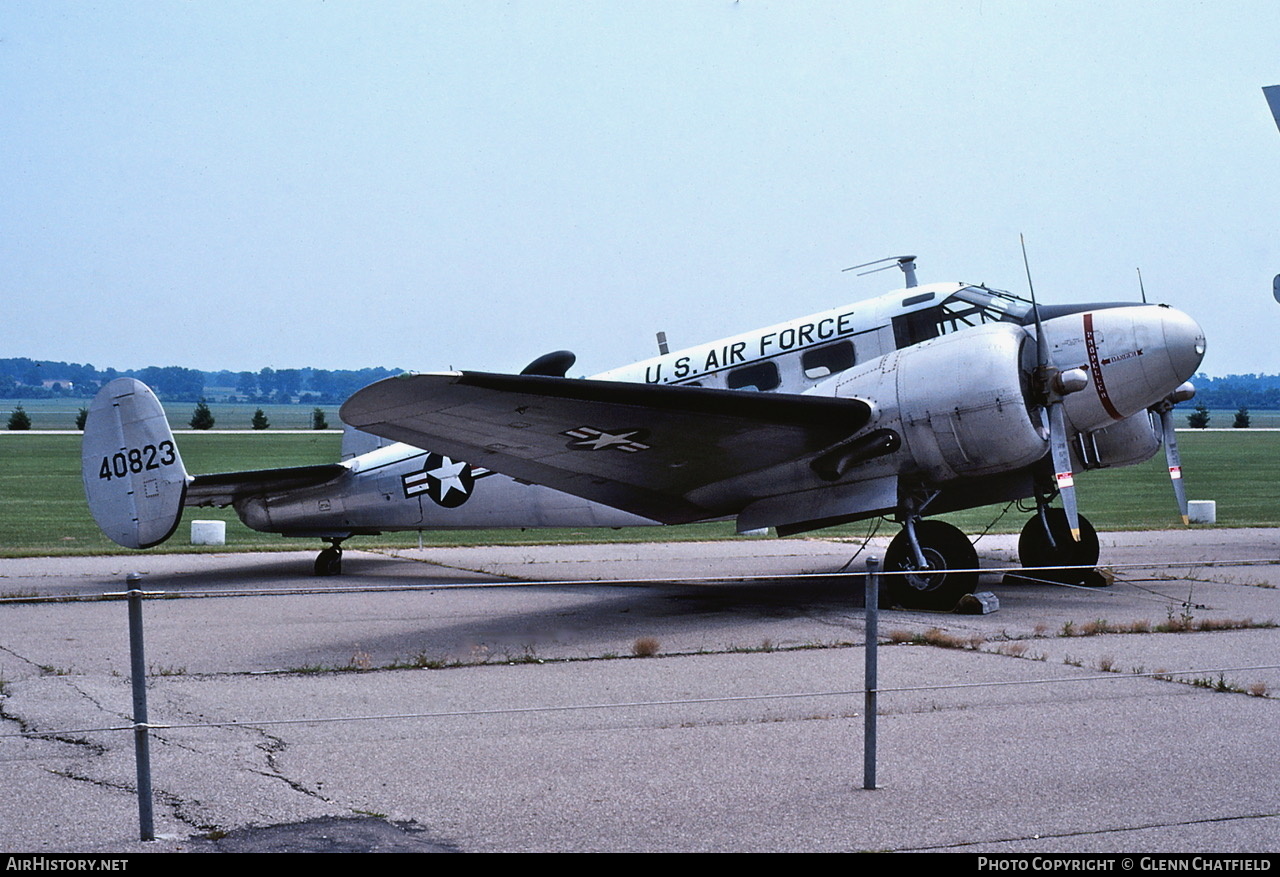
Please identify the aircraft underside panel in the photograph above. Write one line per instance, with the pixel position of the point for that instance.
(427, 492)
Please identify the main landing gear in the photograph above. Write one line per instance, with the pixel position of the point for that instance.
(1046, 542)
(329, 561)
(940, 561)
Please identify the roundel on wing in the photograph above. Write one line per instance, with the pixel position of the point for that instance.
(448, 482)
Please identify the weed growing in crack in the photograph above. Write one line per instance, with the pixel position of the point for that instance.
(645, 647)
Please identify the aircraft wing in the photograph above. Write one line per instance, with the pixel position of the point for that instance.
(225, 488)
(642, 448)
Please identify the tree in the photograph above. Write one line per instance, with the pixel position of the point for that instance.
(1199, 418)
(19, 419)
(247, 384)
(288, 383)
(1242, 418)
(260, 420)
(202, 418)
(81, 417)
(317, 419)
(267, 381)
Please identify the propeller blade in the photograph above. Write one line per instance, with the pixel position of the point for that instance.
(1062, 467)
(1175, 462)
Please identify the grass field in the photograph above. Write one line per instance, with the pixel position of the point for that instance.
(43, 512)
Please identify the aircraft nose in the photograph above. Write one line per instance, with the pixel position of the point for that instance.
(1184, 342)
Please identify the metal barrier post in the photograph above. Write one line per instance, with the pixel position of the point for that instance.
(871, 674)
(141, 741)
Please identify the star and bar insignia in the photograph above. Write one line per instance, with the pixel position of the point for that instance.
(588, 438)
(448, 482)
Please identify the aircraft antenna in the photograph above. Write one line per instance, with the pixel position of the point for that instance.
(1142, 288)
(906, 263)
(662, 344)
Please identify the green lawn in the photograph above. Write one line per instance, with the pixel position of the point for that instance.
(43, 512)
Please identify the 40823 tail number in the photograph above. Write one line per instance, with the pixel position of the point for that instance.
(137, 460)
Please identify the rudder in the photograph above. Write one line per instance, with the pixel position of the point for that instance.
(133, 475)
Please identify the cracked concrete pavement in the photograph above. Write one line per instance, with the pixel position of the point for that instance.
(508, 759)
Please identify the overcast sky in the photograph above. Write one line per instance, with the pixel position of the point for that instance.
(431, 185)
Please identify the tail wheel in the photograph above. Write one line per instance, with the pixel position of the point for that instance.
(1035, 550)
(329, 562)
(945, 548)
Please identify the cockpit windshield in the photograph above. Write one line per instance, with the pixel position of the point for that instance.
(967, 307)
(976, 305)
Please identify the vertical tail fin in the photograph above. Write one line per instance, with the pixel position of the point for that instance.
(133, 475)
(1272, 93)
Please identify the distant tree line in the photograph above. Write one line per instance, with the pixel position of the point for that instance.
(1255, 392)
(22, 378)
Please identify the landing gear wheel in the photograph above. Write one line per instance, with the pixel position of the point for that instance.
(1034, 549)
(944, 548)
(329, 562)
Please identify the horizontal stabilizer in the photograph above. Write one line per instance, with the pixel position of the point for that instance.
(225, 488)
(643, 448)
(133, 475)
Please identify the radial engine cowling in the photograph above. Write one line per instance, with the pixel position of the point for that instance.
(962, 401)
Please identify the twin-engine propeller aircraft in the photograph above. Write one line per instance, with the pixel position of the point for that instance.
(925, 400)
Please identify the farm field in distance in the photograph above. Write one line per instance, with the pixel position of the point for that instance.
(43, 511)
(61, 413)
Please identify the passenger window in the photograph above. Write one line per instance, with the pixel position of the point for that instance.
(761, 376)
(827, 360)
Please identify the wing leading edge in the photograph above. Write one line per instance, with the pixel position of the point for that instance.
(638, 447)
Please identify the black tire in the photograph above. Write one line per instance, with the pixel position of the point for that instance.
(945, 548)
(329, 562)
(1034, 550)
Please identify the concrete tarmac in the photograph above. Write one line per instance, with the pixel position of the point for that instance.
(489, 699)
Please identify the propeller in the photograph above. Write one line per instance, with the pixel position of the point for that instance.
(1062, 475)
(1053, 385)
(1170, 439)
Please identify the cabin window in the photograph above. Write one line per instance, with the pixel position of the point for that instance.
(819, 362)
(761, 376)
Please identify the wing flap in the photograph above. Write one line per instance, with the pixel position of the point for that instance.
(638, 447)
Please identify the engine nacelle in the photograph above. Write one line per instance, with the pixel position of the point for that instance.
(959, 403)
(962, 400)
